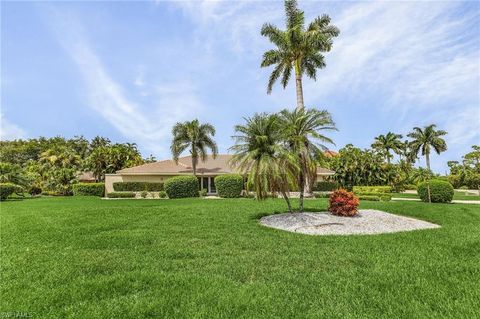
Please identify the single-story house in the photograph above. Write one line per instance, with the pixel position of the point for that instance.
(162, 170)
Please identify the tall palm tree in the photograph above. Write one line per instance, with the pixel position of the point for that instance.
(425, 139)
(302, 134)
(298, 48)
(387, 143)
(197, 138)
(259, 152)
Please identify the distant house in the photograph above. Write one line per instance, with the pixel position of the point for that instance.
(163, 170)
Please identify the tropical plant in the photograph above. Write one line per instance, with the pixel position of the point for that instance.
(197, 138)
(422, 175)
(425, 139)
(301, 132)
(182, 187)
(435, 191)
(297, 48)
(260, 154)
(343, 203)
(387, 143)
(61, 181)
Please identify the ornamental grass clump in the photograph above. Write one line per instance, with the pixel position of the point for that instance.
(343, 203)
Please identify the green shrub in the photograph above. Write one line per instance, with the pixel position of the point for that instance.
(137, 186)
(464, 187)
(386, 197)
(162, 194)
(181, 187)
(372, 189)
(89, 189)
(411, 187)
(51, 193)
(7, 189)
(34, 190)
(440, 191)
(326, 186)
(121, 195)
(203, 192)
(229, 186)
(369, 198)
(321, 195)
(144, 194)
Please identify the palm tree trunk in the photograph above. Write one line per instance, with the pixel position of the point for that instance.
(288, 201)
(299, 87)
(427, 157)
(194, 165)
(301, 186)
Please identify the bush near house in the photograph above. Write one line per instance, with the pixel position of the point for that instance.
(343, 203)
(182, 187)
(89, 189)
(229, 186)
(7, 189)
(326, 186)
(121, 195)
(162, 194)
(138, 186)
(440, 191)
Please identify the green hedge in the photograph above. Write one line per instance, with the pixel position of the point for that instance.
(440, 191)
(121, 195)
(7, 189)
(137, 186)
(89, 189)
(369, 198)
(162, 194)
(229, 186)
(182, 187)
(326, 186)
(372, 189)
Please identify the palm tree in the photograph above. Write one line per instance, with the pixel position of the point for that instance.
(387, 143)
(260, 154)
(302, 134)
(425, 139)
(197, 138)
(298, 48)
(423, 175)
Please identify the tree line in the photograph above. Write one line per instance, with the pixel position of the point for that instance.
(54, 164)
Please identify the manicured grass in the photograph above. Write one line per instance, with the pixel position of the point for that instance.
(458, 195)
(192, 258)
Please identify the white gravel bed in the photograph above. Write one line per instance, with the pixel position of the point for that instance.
(367, 222)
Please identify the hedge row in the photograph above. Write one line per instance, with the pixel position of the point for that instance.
(7, 189)
(137, 186)
(372, 189)
(326, 186)
(121, 195)
(182, 187)
(229, 185)
(89, 189)
(440, 191)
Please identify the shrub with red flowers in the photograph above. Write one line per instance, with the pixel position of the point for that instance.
(343, 203)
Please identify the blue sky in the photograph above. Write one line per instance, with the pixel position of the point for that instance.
(130, 70)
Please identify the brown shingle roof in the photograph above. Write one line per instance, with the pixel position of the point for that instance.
(218, 165)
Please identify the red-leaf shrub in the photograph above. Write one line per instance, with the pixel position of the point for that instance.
(343, 203)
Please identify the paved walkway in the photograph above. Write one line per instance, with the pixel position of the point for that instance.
(456, 201)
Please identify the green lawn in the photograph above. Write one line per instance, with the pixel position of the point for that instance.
(458, 195)
(92, 258)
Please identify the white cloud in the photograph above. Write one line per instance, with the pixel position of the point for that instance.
(10, 131)
(150, 128)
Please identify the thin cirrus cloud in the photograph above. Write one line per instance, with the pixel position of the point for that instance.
(150, 128)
